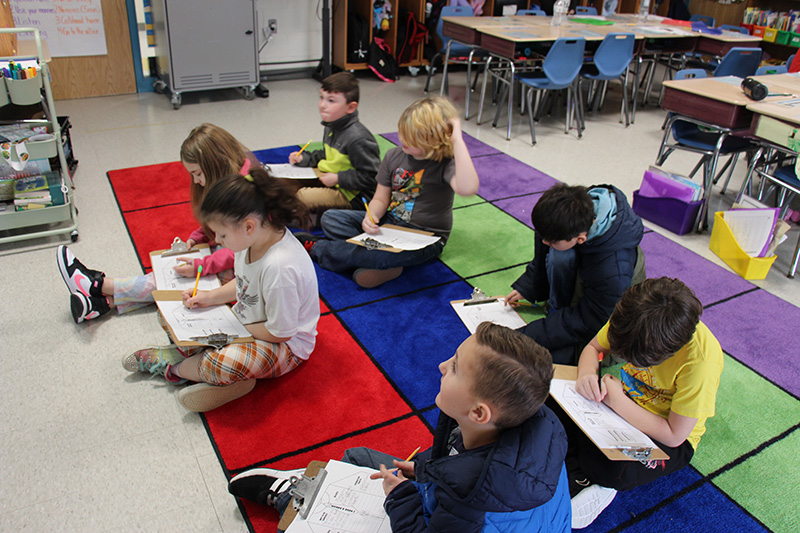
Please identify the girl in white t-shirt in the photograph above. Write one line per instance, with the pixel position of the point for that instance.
(275, 290)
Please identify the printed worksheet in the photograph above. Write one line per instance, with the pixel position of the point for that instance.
(606, 428)
(291, 171)
(395, 238)
(187, 323)
(496, 312)
(348, 502)
(169, 280)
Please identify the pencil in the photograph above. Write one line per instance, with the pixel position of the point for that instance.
(196, 281)
(408, 459)
(599, 365)
(304, 147)
(368, 211)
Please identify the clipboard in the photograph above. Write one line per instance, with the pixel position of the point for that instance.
(567, 372)
(373, 244)
(312, 470)
(173, 251)
(510, 317)
(217, 340)
(317, 172)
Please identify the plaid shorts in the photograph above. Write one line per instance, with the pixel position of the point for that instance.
(249, 360)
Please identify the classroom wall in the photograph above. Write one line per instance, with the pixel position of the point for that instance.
(298, 42)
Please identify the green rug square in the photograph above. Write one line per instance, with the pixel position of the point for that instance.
(750, 410)
(384, 145)
(466, 201)
(767, 485)
(485, 239)
(499, 284)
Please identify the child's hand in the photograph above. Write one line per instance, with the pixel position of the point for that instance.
(406, 467)
(512, 297)
(190, 243)
(369, 226)
(295, 157)
(187, 269)
(590, 387)
(201, 299)
(390, 480)
(455, 123)
(329, 179)
(614, 390)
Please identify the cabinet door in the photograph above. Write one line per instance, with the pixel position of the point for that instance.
(212, 43)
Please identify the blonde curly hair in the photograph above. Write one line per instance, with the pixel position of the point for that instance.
(424, 125)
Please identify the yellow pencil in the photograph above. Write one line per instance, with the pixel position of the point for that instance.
(196, 281)
(408, 459)
(304, 147)
(368, 211)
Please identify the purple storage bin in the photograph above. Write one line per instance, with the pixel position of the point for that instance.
(675, 215)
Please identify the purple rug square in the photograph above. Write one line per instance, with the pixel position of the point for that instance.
(711, 283)
(755, 328)
(519, 207)
(476, 148)
(502, 176)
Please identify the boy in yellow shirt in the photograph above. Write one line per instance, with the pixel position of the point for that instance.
(668, 389)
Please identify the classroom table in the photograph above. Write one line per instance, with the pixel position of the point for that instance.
(721, 102)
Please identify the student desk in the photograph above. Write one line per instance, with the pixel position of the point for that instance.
(717, 101)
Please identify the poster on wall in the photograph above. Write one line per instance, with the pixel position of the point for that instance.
(70, 27)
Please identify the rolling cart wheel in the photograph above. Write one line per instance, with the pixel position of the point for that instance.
(176, 101)
(159, 86)
(74, 236)
(249, 92)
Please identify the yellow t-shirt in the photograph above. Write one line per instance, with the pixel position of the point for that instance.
(685, 383)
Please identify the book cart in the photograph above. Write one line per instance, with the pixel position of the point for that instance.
(56, 219)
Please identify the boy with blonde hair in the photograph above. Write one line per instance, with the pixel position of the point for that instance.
(496, 463)
(416, 185)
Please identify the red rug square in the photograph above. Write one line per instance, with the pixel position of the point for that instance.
(337, 391)
(154, 229)
(150, 186)
(398, 439)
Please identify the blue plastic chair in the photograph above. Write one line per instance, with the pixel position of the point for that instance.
(789, 61)
(733, 27)
(560, 70)
(741, 62)
(460, 54)
(585, 10)
(772, 69)
(705, 19)
(611, 62)
(534, 10)
(709, 140)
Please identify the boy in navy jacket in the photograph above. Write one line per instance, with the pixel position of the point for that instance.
(586, 254)
(497, 461)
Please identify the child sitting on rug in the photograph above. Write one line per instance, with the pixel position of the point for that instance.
(416, 185)
(350, 156)
(668, 389)
(497, 458)
(275, 290)
(586, 253)
(208, 153)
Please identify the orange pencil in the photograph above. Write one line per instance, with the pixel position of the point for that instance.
(196, 281)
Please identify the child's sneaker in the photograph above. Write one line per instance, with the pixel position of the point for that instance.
(263, 485)
(154, 360)
(204, 397)
(87, 307)
(308, 240)
(372, 277)
(79, 279)
(589, 503)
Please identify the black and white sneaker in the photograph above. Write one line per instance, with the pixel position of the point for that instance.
(78, 278)
(589, 503)
(87, 307)
(263, 485)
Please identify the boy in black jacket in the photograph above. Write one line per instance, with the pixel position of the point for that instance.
(586, 255)
(497, 458)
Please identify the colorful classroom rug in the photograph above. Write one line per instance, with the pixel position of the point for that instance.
(373, 377)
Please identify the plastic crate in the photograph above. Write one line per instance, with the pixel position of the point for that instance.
(724, 244)
(758, 31)
(783, 37)
(670, 213)
(770, 34)
(794, 39)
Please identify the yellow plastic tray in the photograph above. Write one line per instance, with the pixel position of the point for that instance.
(725, 246)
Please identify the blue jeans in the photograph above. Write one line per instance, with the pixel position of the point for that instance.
(355, 456)
(340, 256)
(561, 275)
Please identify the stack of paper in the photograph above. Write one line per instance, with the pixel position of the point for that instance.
(753, 229)
(658, 183)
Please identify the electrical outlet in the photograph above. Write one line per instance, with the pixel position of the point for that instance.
(273, 25)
